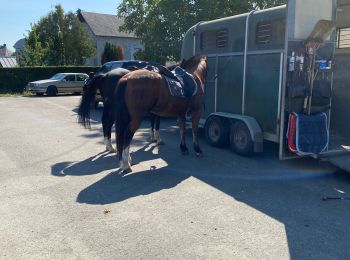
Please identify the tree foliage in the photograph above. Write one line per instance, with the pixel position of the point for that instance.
(112, 52)
(120, 52)
(58, 39)
(161, 24)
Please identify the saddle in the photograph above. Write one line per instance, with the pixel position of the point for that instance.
(180, 82)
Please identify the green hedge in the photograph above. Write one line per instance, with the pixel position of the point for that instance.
(13, 80)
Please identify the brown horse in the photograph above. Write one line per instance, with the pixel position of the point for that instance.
(140, 92)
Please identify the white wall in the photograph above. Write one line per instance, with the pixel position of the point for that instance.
(130, 45)
(303, 16)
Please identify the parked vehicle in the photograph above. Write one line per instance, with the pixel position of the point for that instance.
(255, 65)
(59, 83)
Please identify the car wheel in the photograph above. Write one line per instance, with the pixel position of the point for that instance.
(216, 131)
(51, 91)
(240, 139)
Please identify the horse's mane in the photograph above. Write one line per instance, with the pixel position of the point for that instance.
(193, 63)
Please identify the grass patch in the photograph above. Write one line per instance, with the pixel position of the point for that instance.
(15, 94)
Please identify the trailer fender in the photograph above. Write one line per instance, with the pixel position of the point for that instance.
(253, 126)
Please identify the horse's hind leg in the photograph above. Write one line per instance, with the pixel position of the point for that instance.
(107, 124)
(195, 122)
(153, 122)
(157, 138)
(125, 164)
(182, 126)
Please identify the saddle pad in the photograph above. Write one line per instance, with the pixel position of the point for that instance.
(292, 125)
(182, 84)
(311, 133)
(175, 87)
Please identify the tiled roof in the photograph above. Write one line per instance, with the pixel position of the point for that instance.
(105, 24)
(8, 62)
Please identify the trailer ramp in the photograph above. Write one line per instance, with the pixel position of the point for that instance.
(342, 162)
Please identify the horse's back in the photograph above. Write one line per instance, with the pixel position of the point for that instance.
(119, 72)
(143, 74)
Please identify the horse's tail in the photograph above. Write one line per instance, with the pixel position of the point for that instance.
(121, 115)
(87, 99)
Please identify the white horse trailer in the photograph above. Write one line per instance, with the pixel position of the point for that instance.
(253, 59)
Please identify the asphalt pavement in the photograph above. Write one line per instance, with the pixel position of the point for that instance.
(63, 197)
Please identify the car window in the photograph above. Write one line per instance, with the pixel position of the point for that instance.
(57, 76)
(81, 77)
(70, 78)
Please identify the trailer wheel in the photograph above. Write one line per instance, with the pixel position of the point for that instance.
(216, 131)
(240, 139)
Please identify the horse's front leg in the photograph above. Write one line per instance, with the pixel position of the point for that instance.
(182, 126)
(196, 115)
(107, 123)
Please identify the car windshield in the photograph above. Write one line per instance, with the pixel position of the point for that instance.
(138, 64)
(103, 69)
(57, 76)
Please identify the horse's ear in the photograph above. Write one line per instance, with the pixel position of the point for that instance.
(182, 63)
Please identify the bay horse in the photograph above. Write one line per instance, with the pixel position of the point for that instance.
(106, 84)
(140, 92)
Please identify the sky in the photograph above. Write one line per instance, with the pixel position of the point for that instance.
(17, 15)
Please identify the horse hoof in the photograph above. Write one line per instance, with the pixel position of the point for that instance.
(111, 149)
(126, 171)
(199, 155)
(160, 142)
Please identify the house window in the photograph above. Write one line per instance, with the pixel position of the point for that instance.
(212, 40)
(343, 38)
(270, 32)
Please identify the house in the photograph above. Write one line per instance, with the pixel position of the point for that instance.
(19, 46)
(4, 51)
(6, 60)
(104, 28)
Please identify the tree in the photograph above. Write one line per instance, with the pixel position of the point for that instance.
(62, 36)
(112, 52)
(161, 24)
(34, 52)
(119, 52)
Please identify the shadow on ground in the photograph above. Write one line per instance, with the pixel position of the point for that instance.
(290, 191)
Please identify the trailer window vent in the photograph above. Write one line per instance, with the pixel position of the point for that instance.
(270, 32)
(212, 40)
(263, 33)
(221, 38)
(343, 38)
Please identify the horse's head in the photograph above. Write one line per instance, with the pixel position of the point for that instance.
(197, 66)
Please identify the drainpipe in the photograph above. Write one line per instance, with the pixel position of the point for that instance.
(194, 38)
(245, 59)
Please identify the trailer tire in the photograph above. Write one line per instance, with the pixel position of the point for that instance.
(216, 131)
(240, 139)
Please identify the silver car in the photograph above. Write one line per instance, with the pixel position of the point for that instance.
(59, 83)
